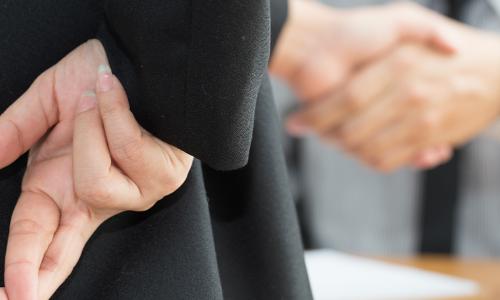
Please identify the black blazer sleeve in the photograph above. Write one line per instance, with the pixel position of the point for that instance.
(192, 72)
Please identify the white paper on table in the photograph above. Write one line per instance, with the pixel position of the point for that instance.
(338, 276)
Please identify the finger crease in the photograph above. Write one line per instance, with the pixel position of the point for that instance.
(19, 135)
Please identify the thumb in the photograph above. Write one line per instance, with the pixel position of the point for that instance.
(418, 24)
(439, 38)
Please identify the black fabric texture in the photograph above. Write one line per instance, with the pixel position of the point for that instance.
(194, 60)
(195, 75)
(235, 205)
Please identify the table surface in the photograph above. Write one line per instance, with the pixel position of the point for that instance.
(485, 272)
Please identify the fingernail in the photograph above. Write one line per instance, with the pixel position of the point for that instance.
(105, 78)
(87, 101)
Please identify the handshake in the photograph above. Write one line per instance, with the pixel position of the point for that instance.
(394, 85)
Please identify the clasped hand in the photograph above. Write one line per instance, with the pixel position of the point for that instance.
(88, 160)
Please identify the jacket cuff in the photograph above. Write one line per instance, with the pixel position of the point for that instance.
(279, 13)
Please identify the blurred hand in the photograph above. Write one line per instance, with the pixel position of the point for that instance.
(412, 100)
(89, 160)
(320, 47)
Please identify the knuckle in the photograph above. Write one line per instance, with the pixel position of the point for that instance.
(167, 183)
(170, 182)
(172, 178)
(25, 226)
(145, 207)
(178, 181)
(130, 150)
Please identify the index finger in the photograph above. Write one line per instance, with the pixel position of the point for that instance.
(27, 119)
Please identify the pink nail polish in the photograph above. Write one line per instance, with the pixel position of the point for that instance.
(105, 79)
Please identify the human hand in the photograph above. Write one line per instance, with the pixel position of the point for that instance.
(320, 47)
(399, 108)
(89, 160)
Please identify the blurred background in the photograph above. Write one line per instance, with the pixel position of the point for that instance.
(452, 210)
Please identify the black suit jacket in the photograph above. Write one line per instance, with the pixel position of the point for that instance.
(195, 72)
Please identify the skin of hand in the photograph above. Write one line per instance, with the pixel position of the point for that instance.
(320, 47)
(89, 160)
(413, 99)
